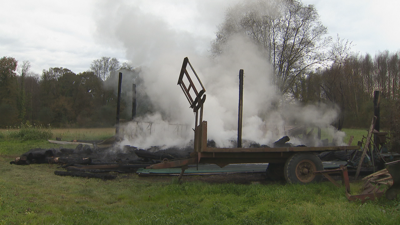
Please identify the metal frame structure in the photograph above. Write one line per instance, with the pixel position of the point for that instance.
(224, 156)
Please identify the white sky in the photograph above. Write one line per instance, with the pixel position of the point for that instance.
(62, 33)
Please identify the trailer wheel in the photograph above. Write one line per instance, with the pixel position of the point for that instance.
(300, 168)
(275, 171)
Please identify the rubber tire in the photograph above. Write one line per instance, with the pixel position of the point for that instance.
(275, 171)
(293, 161)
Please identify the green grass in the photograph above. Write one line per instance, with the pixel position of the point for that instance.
(34, 195)
(357, 133)
(84, 133)
(64, 134)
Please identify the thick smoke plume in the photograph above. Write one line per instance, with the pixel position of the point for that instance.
(152, 43)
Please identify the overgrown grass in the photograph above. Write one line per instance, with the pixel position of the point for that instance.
(34, 195)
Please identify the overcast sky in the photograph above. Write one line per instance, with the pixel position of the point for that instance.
(64, 33)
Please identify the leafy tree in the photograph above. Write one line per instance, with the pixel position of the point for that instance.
(8, 66)
(8, 91)
(56, 95)
(32, 102)
(289, 32)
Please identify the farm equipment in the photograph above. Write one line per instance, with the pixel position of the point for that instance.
(296, 164)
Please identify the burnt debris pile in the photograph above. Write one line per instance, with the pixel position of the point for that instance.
(94, 162)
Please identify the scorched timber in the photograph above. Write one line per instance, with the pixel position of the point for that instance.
(87, 175)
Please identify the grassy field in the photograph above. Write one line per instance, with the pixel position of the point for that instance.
(34, 195)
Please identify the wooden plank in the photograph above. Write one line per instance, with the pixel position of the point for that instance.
(350, 140)
(366, 146)
(69, 142)
(380, 172)
(288, 149)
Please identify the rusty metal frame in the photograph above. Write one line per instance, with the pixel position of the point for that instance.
(196, 101)
(371, 193)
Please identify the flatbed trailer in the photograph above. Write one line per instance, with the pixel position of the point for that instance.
(295, 164)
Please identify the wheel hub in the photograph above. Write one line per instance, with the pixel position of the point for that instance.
(305, 171)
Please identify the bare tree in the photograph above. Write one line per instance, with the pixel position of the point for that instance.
(26, 65)
(104, 67)
(289, 32)
(381, 65)
(367, 69)
(393, 74)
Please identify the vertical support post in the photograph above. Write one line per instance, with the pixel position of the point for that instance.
(118, 103)
(240, 111)
(319, 133)
(377, 115)
(133, 101)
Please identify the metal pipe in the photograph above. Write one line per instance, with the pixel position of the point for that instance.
(118, 103)
(240, 111)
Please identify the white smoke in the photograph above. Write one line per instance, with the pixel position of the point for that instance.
(152, 130)
(154, 44)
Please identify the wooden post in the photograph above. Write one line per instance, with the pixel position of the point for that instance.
(377, 115)
(118, 103)
(240, 111)
(366, 146)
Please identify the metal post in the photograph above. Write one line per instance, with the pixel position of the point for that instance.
(133, 101)
(118, 103)
(240, 111)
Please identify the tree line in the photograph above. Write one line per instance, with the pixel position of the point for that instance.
(61, 98)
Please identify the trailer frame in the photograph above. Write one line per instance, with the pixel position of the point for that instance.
(299, 164)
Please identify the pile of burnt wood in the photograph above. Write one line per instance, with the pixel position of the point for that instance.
(94, 162)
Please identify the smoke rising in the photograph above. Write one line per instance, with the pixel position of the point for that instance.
(154, 44)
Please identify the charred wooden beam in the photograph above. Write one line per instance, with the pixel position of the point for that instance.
(240, 110)
(281, 142)
(87, 175)
(118, 103)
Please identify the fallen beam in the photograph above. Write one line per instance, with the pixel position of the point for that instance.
(87, 175)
